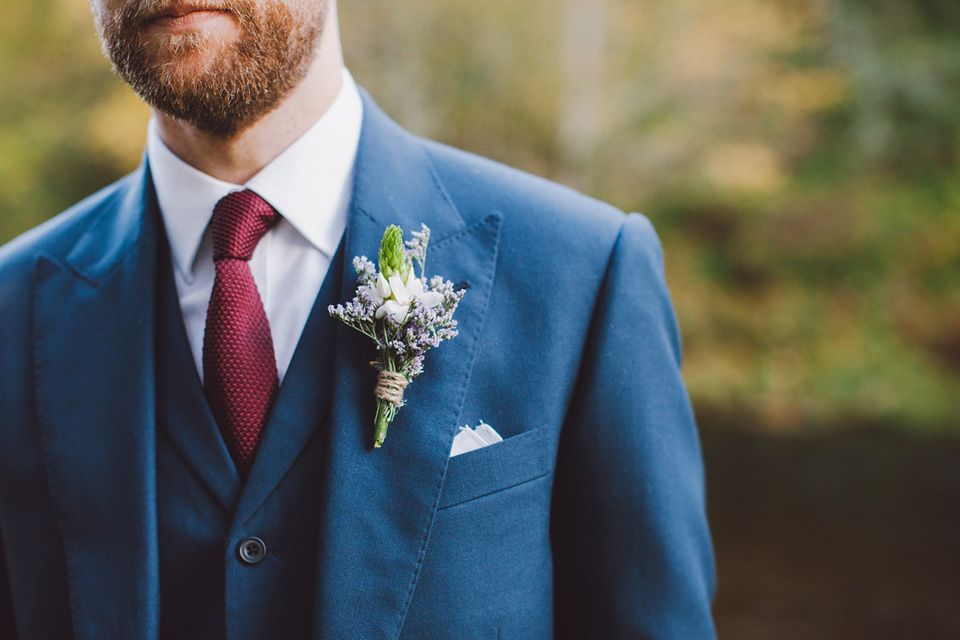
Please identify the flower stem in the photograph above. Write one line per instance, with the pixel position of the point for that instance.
(385, 413)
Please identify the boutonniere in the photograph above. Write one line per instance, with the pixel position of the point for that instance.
(403, 313)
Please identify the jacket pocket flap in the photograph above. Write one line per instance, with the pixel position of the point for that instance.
(496, 467)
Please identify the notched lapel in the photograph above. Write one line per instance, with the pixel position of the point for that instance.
(93, 325)
(381, 503)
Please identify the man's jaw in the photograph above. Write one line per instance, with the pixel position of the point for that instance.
(216, 66)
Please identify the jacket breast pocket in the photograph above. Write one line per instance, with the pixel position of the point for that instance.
(496, 467)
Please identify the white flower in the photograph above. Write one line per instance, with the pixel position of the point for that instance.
(397, 296)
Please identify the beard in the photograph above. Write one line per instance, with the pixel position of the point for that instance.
(242, 81)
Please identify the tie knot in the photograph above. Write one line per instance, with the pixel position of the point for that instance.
(240, 219)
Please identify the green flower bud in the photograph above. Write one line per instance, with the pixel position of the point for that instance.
(393, 256)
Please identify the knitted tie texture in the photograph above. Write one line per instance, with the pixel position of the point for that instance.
(239, 366)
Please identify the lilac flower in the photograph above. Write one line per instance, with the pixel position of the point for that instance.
(404, 316)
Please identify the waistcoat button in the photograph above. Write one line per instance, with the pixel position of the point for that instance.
(252, 550)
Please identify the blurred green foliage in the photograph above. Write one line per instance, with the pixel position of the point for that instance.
(798, 157)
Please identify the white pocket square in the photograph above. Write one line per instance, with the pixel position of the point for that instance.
(468, 439)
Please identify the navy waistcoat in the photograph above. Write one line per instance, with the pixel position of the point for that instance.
(204, 511)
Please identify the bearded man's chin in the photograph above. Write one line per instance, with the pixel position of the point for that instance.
(220, 80)
(195, 101)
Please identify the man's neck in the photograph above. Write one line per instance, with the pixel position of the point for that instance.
(239, 158)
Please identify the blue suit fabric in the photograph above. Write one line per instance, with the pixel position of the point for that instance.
(120, 510)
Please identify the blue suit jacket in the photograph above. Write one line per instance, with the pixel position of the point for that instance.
(587, 521)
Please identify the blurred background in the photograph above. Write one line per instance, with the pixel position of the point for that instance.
(799, 159)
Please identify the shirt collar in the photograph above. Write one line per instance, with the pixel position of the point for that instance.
(309, 183)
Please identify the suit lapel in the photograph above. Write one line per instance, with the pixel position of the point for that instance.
(183, 413)
(379, 504)
(302, 404)
(93, 327)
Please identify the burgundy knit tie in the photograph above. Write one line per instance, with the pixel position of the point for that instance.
(239, 367)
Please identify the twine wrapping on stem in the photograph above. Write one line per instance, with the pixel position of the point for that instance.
(390, 387)
(404, 313)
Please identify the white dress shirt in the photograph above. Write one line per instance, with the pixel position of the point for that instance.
(309, 183)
